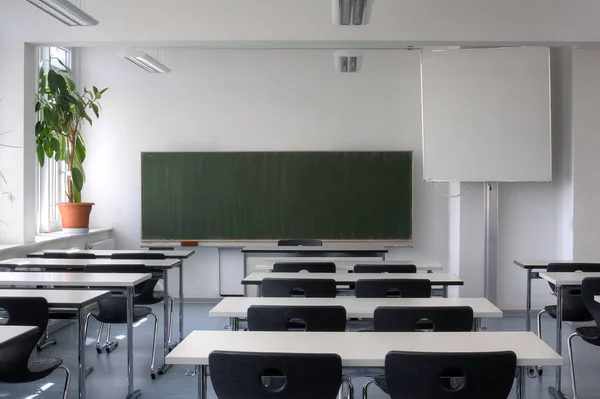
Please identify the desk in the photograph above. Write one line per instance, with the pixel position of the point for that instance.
(443, 279)
(10, 334)
(346, 265)
(363, 352)
(115, 281)
(530, 266)
(561, 280)
(159, 268)
(67, 299)
(363, 308)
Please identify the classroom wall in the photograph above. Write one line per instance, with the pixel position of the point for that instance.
(250, 100)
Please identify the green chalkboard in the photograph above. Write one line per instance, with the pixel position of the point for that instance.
(233, 196)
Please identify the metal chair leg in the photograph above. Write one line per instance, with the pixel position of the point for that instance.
(67, 381)
(154, 372)
(171, 322)
(110, 345)
(99, 348)
(366, 387)
(348, 382)
(45, 342)
(570, 347)
(539, 369)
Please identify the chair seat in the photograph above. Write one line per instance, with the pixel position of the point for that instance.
(589, 334)
(139, 312)
(40, 365)
(551, 310)
(157, 297)
(575, 316)
(381, 384)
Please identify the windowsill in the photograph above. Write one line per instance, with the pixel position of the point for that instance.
(54, 236)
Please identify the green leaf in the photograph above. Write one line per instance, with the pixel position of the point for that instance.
(103, 90)
(42, 71)
(48, 149)
(95, 90)
(40, 154)
(55, 144)
(38, 105)
(67, 69)
(42, 84)
(80, 149)
(77, 177)
(72, 86)
(76, 195)
(87, 118)
(52, 81)
(62, 84)
(96, 111)
(39, 126)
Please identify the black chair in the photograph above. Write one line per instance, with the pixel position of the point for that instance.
(297, 267)
(297, 318)
(237, 375)
(416, 375)
(113, 310)
(149, 296)
(410, 319)
(406, 319)
(380, 268)
(296, 287)
(16, 363)
(69, 255)
(590, 287)
(299, 243)
(393, 288)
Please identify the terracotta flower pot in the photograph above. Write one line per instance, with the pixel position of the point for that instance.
(75, 216)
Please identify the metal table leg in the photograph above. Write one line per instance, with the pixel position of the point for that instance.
(521, 382)
(235, 323)
(181, 302)
(162, 369)
(528, 302)
(445, 291)
(477, 324)
(131, 393)
(81, 352)
(202, 382)
(555, 391)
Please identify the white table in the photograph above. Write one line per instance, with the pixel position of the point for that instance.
(530, 266)
(345, 265)
(77, 300)
(363, 308)
(561, 280)
(159, 268)
(366, 350)
(443, 279)
(597, 298)
(115, 281)
(10, 334)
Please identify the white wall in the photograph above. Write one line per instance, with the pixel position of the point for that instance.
(250, 100)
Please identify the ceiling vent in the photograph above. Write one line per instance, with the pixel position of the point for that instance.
(351, 12)
(347, 61)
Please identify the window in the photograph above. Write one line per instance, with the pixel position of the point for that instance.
(52, 177)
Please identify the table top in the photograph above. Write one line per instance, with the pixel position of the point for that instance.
(342, 248)
(9, 334)
(60, 263)
(59, 298)
(349, 278)
(363, 349)
(112, 280)
(107, 253)
(597, 298)
(567, 278)
(355, 307)
(543, 264)
(345, 265)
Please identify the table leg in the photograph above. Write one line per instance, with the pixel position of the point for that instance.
(181, 302)
(445, 291)
(202, 391)
(528, 302)
(131, 393)
(235, 323)
(259, 290)
(162, 369)
(477, 324)
(521, 382)
(81, 352)
(555, 391)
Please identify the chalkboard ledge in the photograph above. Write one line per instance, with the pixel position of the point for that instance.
(158, 244)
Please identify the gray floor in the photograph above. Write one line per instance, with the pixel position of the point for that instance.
(109, 378)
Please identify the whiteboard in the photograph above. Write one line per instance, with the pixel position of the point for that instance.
(486, 115)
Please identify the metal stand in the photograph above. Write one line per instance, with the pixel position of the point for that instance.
(131, 392)
(556, 391)
(491, 241)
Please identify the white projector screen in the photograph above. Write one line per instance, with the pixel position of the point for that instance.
(486, 115)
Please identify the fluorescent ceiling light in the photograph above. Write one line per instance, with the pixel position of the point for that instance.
(351, 12)
(65, 11)
(348, 60)
(144, 61)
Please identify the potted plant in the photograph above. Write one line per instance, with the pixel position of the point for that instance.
(63, 111)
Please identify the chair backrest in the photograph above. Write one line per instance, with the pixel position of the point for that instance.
(590, 287)
(393, 288)
(145, 255)
(295, 318)
(382, 268)
(412, 375)
(298, 287)
(573, 308)
(311, 267)
(69, 255)
(258, 375)
(22, 312)
(292, 242)
(407, 319)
